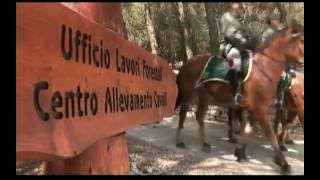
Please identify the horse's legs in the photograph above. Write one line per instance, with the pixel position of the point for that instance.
(182, 116)
(280, 118)
(291, 116)
(241, 121)
(265, 124)
(246, 131)
(231, 123)
(200, 114)
(301, 119)
(282, 136)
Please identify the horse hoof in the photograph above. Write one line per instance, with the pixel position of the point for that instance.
(233, 140)
(181, 145)
(286, 170)
(289, 141)
(241, 157)
(241, 160)
(280, 161)
(206, 148)
(283, 148)
(277, 160)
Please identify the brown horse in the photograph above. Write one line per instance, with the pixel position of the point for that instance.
(236, 122)
(259, 90)
(293, 106)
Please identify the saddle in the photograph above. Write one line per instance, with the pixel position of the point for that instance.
(217, 69)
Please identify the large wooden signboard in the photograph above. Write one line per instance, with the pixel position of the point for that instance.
(78, 82)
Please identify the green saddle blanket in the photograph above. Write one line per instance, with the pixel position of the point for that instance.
(217, 69)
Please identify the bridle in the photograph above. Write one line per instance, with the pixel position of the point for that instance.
(272, 58)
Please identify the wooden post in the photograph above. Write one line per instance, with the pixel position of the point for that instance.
(52, 60)
(109, 155)
(106, 14)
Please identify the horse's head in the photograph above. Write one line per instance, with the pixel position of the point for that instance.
(293, 41)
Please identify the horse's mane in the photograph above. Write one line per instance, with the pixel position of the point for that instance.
(268, 43)
(294, 25)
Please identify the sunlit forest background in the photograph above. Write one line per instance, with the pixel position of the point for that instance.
(177, 31)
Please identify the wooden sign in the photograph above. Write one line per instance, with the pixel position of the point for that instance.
(78, 82)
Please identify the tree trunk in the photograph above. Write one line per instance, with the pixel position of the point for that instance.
(150, 27)
(191, 32)
(283, 13)
(125, 30)
(213, 31)
(185, 35)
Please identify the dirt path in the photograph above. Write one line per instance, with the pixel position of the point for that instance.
(152, 151)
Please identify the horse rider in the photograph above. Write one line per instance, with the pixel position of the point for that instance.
(284, 84)
(273, 27)
(234, 45)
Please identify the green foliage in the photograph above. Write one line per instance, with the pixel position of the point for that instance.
(166, 24)
(133, 15)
